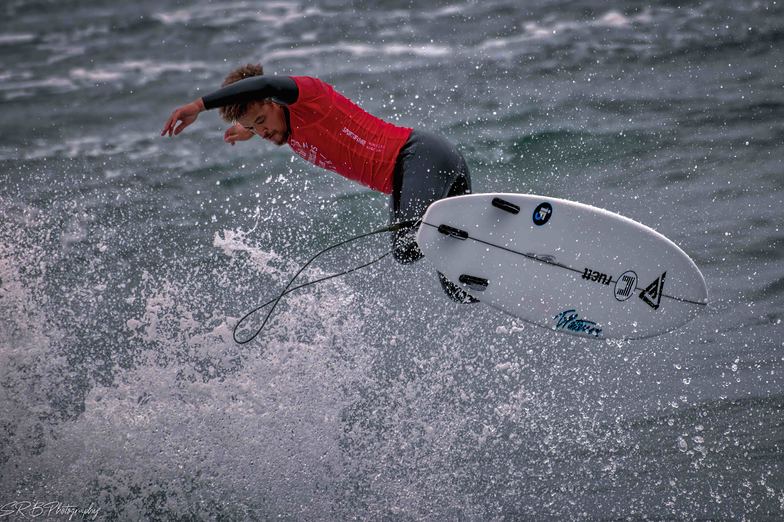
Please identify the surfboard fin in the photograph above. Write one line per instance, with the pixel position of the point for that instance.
(506, 206)
(474, 283)
(453, 232)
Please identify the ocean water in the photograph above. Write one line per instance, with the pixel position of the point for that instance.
(126, 259)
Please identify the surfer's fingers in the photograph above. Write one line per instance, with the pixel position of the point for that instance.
(167, 128)
(180, 127)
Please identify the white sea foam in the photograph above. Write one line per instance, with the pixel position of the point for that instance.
(613, 19)
(139, 72)
(360, 50)
(449, 10)
(133, 145)
(275, 14)
(266, 437)
(232, 242)
(534, 30)
(31, 368)
(51, 83)
(16, 38)
(95, 75)
(277, 421)
(427, 50)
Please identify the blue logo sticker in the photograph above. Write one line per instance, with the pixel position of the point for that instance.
(542, 213)
(570, 320)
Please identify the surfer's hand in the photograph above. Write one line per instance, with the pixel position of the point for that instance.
(237, 133)
(184, 115)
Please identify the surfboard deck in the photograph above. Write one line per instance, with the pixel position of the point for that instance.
(563, 265)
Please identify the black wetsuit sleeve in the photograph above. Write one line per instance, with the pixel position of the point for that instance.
(281, 88)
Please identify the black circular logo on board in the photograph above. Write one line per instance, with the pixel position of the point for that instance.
(625, 285)
(542, 213)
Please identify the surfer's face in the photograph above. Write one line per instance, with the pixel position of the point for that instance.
(267, 120)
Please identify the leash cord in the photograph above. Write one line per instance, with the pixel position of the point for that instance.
(286, 290)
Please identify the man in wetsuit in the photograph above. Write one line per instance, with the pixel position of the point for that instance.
(327, 129)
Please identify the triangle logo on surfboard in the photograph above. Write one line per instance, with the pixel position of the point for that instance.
(653, 292)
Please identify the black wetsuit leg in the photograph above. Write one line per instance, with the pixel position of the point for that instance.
(428, 168)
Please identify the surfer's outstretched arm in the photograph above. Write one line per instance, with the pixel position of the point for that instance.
(257, 88)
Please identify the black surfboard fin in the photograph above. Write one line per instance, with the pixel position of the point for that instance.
(453, 232)
(506, 206)
(474, 283)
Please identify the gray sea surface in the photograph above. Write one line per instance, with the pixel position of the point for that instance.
(126, 259)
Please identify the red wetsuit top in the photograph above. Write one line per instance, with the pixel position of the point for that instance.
(329, 130)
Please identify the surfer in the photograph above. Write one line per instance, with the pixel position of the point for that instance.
(413, 166)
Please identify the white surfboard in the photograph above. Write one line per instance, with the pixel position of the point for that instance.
(563, 265)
